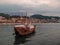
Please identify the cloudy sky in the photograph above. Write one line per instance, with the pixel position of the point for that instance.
(45, 7)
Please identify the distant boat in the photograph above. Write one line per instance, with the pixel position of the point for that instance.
(24, 29)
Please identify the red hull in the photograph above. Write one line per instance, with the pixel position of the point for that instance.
(24, 30)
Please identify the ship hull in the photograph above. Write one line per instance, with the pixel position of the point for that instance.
(24, 30)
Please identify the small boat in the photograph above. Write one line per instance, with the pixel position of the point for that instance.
(24, 29)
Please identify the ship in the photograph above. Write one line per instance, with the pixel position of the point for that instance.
(24, 29)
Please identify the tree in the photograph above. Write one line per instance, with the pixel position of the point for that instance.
(5, 15)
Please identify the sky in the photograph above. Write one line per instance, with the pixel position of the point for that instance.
(44, 7)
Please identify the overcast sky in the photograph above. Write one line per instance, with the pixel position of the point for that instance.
(45, 7)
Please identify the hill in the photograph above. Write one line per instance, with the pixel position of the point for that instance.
(39, 16)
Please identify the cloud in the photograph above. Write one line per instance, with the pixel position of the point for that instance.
(33, 6)
(31, 2)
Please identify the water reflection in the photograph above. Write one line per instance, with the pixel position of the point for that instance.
(22, 39)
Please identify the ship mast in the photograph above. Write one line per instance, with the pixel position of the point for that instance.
(26, 17)
(27, 20)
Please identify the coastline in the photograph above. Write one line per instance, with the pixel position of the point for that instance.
(22, 23)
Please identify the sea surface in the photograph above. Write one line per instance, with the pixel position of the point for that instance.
(46, 34)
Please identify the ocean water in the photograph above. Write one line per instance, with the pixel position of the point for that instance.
(46, 34)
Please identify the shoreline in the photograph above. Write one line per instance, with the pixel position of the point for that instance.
(20, 23)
